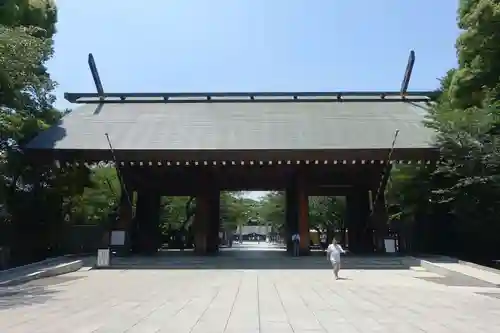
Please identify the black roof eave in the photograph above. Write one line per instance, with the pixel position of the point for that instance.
(239, 97)
(148, 155)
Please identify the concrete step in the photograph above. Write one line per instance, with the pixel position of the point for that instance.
(44, 269)
(451, 267)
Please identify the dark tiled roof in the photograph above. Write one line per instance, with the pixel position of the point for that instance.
(262, 125)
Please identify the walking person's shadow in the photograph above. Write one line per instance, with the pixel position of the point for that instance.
(342, 278)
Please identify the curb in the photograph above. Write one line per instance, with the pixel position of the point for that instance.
(429, 266)
(60, 269)
(481, 267)
(33, 264)
(440, 270)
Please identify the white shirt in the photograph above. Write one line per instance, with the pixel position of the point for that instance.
(296, 237)
(333, 252)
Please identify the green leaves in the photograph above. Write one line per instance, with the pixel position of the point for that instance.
(478, 52)
(23, 78)
(324, 212)
(177, 212)
(463, 189)
(237, 210)
(272, 209)
(26, 28)
(40, 14)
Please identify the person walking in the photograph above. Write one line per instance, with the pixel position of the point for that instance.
(323, 241)
(296, 244)
(333, 254)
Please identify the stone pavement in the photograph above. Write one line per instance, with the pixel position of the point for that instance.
(249, 300)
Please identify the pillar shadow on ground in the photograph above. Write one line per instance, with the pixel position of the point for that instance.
(31, 293)
(252, 256)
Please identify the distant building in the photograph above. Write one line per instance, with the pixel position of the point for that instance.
(253, 229)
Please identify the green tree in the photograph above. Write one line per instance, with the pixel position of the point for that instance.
(478, 49)
(326, 213)
(272, 210)
(461, 194)
(98, 199)
(237, 210)
(177, 213)
(26, 30)
(40, 14)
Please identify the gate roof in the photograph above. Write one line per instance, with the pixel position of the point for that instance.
(268, 126)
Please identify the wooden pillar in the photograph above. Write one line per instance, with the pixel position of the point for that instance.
(291, 214)
(297, 213)
(207, 216)
(359, 233)
(352, 223)
(213, 221)
(379, 218)
(380, 221)
(303, 216)
(155, 238)
(148, 219)
(200, 223)
(124, 211)
(122, 223)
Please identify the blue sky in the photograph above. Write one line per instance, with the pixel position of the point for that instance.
(252, 45)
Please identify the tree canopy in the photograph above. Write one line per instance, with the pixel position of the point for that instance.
(326, 214)
(460, 195)
(26, 107)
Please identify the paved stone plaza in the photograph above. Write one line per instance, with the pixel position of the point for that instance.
(302, 298)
